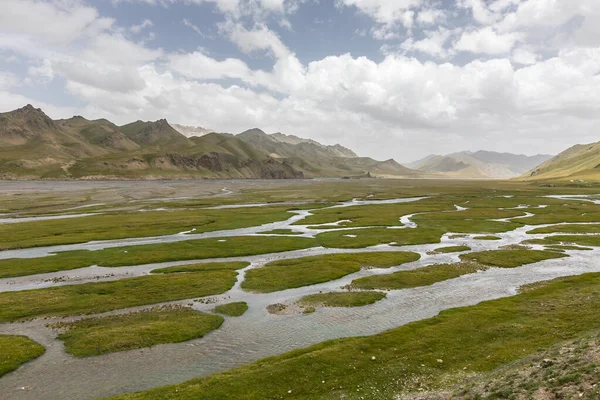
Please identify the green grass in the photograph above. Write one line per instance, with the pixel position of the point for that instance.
(568, 212)
(341, 299)
(569, 228)
(153, 253)
(486, 237)
(559, 247)
(16, 350)
(376, 215)
(419, 277)
(510, 258)
(215, 266)
(467, 340)
(581, 240)
(232, 309)
(98, 297)
(95, 336)
(133, 224)
(375, 236)
(293, 273)
(452, 249)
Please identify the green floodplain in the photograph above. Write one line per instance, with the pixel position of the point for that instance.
(357, 257)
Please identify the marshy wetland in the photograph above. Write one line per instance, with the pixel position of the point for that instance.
(310, 289)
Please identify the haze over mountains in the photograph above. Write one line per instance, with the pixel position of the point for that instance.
(34, 146)
(480, 164)
(190, 131)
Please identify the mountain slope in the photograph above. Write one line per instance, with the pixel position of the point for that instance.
(158, 133)
(481, 164)
(581, 161)
(100, 132)
(33, 146)
(317, 160)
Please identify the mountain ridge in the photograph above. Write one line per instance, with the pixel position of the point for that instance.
(33, 146)
(578, 162)
(479, 164)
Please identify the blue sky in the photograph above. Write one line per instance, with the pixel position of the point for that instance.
(389, 78)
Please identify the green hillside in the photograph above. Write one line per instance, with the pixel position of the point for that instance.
(580, 162)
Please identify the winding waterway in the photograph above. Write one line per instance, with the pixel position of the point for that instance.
(257, 334)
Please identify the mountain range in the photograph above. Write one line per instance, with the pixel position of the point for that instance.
(480, 164)
(33, 146)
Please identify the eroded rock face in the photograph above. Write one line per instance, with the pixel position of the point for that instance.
(251, 168)
(212, 161)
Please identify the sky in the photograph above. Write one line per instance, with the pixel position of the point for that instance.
(387, 78)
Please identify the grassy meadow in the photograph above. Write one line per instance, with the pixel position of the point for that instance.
(457, 351)
(147, 328)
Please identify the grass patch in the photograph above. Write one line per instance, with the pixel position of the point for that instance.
(467, 340)
(486, 237)
(288, 274)
(98, 297)
(16, 350)
(564, 248)
(341, 299)
(569, 228)
(360, 238)
(419, 277)
(580, 240)
(376, 215)
(568, 212)
(510, 258)
(216, 266)
(134, 224)
(452, 249)
(95, 336)
(153, 253)
(232, 309)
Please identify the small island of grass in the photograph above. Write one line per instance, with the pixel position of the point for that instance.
(232, 309)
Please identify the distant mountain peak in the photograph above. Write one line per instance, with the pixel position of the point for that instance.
(192, 131)
(254, 131)
(479, 164)
(32, 117)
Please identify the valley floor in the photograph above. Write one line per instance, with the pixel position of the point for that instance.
(395, 284)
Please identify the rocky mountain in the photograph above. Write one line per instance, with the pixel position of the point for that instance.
(480, 164)
(191, 131)
(581, 161)
(33, 146)
(317, 160)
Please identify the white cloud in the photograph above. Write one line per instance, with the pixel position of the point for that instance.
(259, 38)
(388, 15)
(116, 80)
(140, 27)
(194, 27)
(431, 16)
(50, 22)
(524, 56)
(479, 10)
(42, 73)
(486, 41)
(434, 43)
(8, 80)
(199, 66)
(401, 106)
